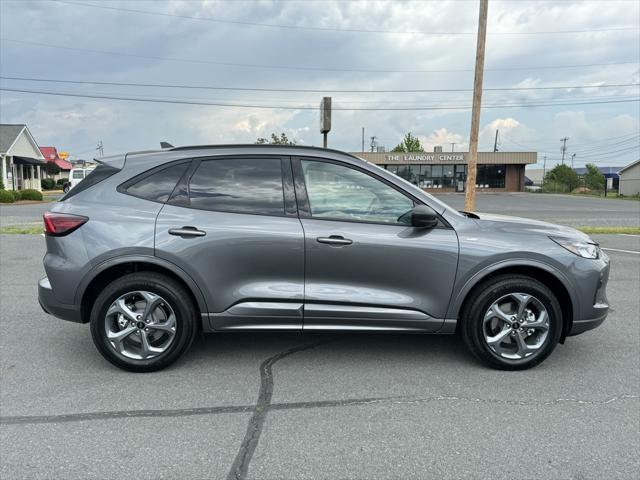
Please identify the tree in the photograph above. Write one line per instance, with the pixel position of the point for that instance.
(593, 179)
(562, 177)
(276, 140)
(52, 169)
(409, 144)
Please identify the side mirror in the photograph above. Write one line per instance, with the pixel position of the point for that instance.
(423, 217)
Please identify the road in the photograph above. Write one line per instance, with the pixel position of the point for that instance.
(342, 406)
(563, 209)
(572, 210)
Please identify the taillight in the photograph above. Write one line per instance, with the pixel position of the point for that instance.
(59, 224)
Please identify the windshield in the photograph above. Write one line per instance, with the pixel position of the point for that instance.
(433, 201)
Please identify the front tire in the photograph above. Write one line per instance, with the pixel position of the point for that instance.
(511, 322)
(143, 322)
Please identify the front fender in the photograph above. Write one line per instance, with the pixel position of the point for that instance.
(486, 271)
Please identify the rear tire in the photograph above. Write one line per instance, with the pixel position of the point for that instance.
(143, 322)
(511, 322)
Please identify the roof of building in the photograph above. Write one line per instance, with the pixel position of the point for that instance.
(51, 155)
(606, 171)
(8, 135)
(627, 167)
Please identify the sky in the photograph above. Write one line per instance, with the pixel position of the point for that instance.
(353, 51)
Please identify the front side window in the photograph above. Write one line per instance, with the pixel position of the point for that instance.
(242, 185)
(343, 193)
(77, 174)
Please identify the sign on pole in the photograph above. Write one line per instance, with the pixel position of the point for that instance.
(325, 118)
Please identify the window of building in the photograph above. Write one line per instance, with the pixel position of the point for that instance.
(491, 176)
(239, 185)
(343, 193)
(158, 186)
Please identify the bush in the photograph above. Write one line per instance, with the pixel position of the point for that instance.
(30, 195)
(16, 195)
(1, 185)
(61, 182)
(48, 183)
(6, 197)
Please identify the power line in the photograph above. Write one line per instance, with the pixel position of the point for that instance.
(303, 68)
(303, 90)
(335, 29)
(303, 107)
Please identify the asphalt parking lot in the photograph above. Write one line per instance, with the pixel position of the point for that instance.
(330, 406)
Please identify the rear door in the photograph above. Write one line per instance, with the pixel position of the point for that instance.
(232, 224)
(366, 267)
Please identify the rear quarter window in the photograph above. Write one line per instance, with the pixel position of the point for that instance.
(156, 185)
(98, 174)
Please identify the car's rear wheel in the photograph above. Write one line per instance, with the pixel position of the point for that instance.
(512, 322)
(143, 322)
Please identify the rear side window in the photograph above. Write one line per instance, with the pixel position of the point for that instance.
(158, 185)
(98, 174)
(238, 185)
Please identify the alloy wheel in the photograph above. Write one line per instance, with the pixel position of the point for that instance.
(140, 325)
(516, 326)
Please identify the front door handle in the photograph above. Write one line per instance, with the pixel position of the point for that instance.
(187, 232)
(337, 240)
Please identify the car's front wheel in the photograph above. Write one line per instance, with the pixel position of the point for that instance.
(512, 322)
(143, 322)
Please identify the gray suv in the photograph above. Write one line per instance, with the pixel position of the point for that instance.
(154, 246)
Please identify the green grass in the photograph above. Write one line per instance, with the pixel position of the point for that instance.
(627, 230)
(21, 230)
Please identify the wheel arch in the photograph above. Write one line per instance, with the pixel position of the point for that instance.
(101, 275)
(544, 273)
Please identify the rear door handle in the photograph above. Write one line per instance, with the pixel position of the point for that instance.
(337, 240)
(187, 232)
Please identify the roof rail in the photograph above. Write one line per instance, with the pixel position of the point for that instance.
(260, 145)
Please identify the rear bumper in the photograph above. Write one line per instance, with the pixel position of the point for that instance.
(51, 306)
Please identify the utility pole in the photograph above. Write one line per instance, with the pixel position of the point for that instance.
(563, 148)
(573, 155)
(362, 139)
(373, 143)
(470, 196)
(495, 142)
(453, 144)
(100, 149)
(544, 168)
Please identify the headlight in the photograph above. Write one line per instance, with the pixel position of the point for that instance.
(581, 248)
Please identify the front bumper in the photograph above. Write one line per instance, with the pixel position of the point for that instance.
(580, 326)
(594, 298)
(53, 307)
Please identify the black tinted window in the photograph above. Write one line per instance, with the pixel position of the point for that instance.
(238, 185)
(159, 185)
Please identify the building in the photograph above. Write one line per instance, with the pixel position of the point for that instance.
(630, 179)
(447, 171)
(21, 160)
(51, 156)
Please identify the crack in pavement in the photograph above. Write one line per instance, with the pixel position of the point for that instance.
(186, 412)
(240, 465)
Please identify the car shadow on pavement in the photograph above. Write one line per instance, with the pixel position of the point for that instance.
(392, 347)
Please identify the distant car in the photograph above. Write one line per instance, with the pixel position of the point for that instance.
(152, 247)
(76, 175)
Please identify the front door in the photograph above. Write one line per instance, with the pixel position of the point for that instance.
(366, 267)
(232, 225)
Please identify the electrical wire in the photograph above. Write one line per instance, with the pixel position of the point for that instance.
(302, 107)
(312, 69)
(336, 29)
(308, 90)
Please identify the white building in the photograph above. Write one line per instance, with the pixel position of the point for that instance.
(23, 165)
(630, 179)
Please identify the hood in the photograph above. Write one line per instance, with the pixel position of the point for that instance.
(518, 224)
